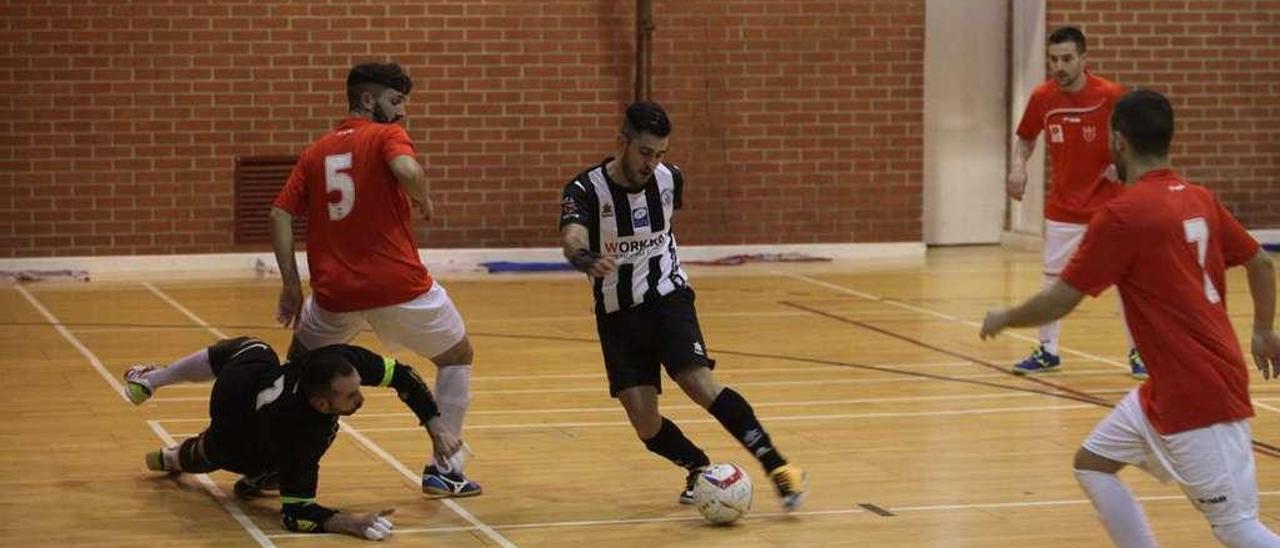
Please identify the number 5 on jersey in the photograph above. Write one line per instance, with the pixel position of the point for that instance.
(336, 180)
(1198, 233)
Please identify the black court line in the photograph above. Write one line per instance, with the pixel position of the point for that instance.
(876, 510)
(1056, 391)
(1258, 446)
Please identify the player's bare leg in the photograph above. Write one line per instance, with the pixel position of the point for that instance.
(661, 436)
(737, 417)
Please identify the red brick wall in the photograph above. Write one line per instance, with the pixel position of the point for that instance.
(1219, 63)
(796, 121)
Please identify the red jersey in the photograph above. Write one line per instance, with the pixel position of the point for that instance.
(1166, 244)
(360, 245)
(1078, 138)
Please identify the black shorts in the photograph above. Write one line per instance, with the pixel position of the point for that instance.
(243, 367)
(663, 331)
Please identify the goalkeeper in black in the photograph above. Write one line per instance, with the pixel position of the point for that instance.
(272, 423)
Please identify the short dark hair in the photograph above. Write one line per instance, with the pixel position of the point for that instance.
(1145, 119)
(646, 117)
(318, 371)
(1069, 34)
(370, 76)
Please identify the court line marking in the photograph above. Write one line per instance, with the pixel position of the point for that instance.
(416, 480)
(217, 493)
(75, 342)
(754, 516)
(232, 508)
(603, 390)
(366, 442)
(615, 408)
(891, 302)
(729, 373)
(774, 418)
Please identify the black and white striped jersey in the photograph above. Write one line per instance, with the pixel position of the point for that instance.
(632, 227)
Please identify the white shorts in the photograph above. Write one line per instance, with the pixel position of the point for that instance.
(428, 324)
(1060, 242)
(1213, 465)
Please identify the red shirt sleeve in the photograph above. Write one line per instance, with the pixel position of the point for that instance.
(293, 197)
(1237, 245)
(396, 142)
(1103, 257)
(1032, 118)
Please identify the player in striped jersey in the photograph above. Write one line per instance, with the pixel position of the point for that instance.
(615, 226)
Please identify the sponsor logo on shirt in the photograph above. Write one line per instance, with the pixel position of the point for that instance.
(606, 211)
(640, 217)
(634, 246)
(1055, 133)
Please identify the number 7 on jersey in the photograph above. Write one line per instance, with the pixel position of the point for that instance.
(1198, 233)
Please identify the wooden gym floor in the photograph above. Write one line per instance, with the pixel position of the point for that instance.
(870, 376)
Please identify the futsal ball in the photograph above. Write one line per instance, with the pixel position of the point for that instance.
(722, 493)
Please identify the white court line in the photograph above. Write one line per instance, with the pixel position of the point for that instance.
(777, 418)
(769, 419)
(937, 314)
(368, 444)
(727, 373)
(764, 515)
(601, 389)
(218, 494)
(175, 304)
(616, 408)
(231, 508)
(416, 480)
(590, 523)
(93, 360)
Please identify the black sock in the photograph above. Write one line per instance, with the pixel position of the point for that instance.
(736, 415)
(672, 445)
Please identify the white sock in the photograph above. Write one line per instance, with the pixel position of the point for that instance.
(1117, 509)
(192, 368)
(1049, 332)
(453, 395)
(1249, 533)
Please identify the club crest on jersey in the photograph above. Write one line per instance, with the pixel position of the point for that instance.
(668, 196)
(640, 217)
(568, 209)
(1090, 133)
(606, 210)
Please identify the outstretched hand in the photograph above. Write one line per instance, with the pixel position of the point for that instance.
(992, 325)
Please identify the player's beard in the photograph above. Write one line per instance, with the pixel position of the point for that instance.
(1065, 80)
(634, 178)
(381, 116)
(1122, 170)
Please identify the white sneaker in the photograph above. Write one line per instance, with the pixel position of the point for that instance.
(136, 386)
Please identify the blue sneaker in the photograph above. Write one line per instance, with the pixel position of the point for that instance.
(1137, 367)
(439, 485)
(1040, 361)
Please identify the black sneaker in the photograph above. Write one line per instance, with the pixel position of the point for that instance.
(686, 496)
